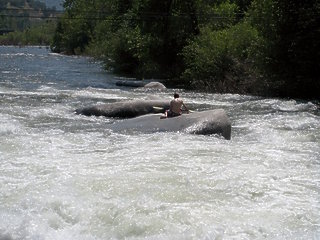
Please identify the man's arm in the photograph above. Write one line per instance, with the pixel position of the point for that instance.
(185, 107)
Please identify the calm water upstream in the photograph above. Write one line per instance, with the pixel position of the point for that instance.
(65, 176)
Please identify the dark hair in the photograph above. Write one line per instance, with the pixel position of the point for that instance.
(176, 95)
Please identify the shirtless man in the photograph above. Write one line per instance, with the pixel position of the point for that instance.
(175, 107)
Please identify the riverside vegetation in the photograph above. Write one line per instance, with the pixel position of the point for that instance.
(27, 22)
(268, 47)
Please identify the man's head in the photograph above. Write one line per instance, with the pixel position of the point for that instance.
(176, 95)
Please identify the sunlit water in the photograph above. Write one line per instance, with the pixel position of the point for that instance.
(66, 176)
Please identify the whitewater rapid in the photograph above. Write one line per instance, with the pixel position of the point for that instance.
(67, 176)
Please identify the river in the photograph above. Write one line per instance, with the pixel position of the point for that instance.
(67, 176)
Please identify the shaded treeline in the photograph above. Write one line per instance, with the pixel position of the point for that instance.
(268, 47)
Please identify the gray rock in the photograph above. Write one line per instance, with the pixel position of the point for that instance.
(141, 84)
(155, 85)
(206, 122)
(128, 109)
(131, 83)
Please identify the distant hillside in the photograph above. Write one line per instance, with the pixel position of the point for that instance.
(18, 15)
(53, 3)
(35, 4)
(21, 4)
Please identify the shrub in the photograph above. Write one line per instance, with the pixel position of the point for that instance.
(213, 56)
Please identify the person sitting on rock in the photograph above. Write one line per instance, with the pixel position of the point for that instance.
(176, 105)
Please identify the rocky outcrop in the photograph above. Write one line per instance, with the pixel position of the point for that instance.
(141, 84)
(128, 109)
(206, 123)
(131, 83)
(155, 85)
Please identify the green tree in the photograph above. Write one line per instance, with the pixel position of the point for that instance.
(218, 60)
(289, 52)
(246, 46)
(75, 28)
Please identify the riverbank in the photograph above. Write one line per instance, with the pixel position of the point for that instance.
(240, 81)
(226, 47)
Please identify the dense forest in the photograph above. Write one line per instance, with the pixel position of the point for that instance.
(261, 47)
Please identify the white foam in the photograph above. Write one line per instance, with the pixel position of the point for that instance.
(66, 176)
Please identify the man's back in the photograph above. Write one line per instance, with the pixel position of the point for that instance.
(175, 105)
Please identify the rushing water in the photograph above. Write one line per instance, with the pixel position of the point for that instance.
(66, 176)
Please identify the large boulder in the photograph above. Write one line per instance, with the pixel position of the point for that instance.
(141, 84)
(128, 109)
(206, 122)
(131, 83)
(155, 85)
